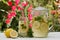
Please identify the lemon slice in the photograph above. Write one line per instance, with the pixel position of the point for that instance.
(13, 34)
(36, 24)
(44, 27)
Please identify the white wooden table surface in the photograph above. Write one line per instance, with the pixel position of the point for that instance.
(51, 36)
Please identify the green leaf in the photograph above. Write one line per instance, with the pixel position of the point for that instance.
(4, 6)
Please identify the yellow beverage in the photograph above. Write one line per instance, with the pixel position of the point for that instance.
(40, 28)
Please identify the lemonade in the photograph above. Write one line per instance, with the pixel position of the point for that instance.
(40, 26)
(23, 28)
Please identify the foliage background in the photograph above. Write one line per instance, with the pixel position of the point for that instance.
(14, 24)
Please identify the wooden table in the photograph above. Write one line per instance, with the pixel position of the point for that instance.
(51, 36)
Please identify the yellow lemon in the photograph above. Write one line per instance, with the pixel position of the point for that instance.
(7, 32)
(10, 33)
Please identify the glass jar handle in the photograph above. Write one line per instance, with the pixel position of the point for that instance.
(50, 27)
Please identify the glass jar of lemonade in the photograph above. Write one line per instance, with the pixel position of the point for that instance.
(23, 27)
(40, 26)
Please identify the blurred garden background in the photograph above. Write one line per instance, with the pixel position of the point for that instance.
(51, 5)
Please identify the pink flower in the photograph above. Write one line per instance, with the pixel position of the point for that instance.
(19, 8)
(13, 14)
(24, 3)
(7, 21)
(30, 16)
(9, 3)
(13, 8)
(17, 2)
(9, 16)
(30, 8)
(30, 25)
(53, 12)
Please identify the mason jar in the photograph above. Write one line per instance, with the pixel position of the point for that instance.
(40, 26)
(23, 27)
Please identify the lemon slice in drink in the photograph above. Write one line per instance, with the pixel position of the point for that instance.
(36, 26)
